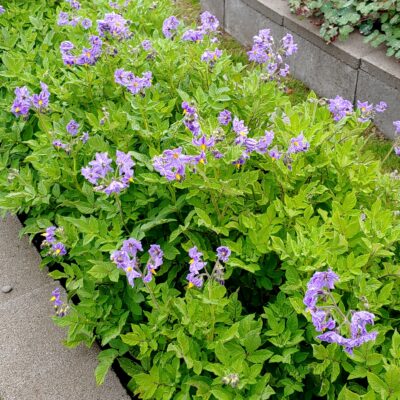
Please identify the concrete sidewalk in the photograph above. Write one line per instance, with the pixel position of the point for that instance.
(34, 364)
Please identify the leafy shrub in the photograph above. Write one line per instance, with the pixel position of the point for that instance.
(282, 217)
(379, 21)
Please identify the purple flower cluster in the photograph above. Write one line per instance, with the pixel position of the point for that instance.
(126, 258)
(319, 288)
(170, 27)
(196, 264)
(74, 4)
(65, 19)
(191, 119)
(60, 308)
(209, 24)
(23, 101)
(88, 56)
(55, 248)
(298, 145)
(133, 83)
(264, 51)
(99, 172)
(211, 56)
(172, 164)
(341, 108)
(114, 25)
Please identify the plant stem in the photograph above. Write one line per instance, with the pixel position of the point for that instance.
(119, 205)
(388, 154)
(151, 293)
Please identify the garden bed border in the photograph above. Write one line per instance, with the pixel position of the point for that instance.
(352, 69)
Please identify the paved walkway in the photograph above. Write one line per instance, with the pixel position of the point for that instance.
(34, 364)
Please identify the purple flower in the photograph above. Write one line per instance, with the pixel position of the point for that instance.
(56, 297)
(172, 164)
(240, 161)
(397, 150)
(66, 46)
(240, 129)
(358, 322)
(50, 234)
(396, 125)
(114, 186)
(22, 102)
(262, 50)
(381, 107)
(333, 337)
(2, 10)
(132, 273)
(192, 35)
(41, 101)
(200, 159)
(366, 110)
(170, 26)
(86, 23)
(74, 4)
(298, 144)
(203, 142)
(217, 154)
(211, 57)
(72, 127)
(265, 142)
(132, 246)
(284, 71)
(85, 137)
(288, 45)
(340, 107)
(223, 253)
(275, 154)
(225, 117)
(194, 280)
(63, 19)
(156, 260)
(191, 119)
(60, 145)
(125, 167)
(147, 45)
(209, 22)
(120, 258)
(133, 83)
(322, 321)
(196, 264)
(322, 280)
(115, 25)
(58, 249)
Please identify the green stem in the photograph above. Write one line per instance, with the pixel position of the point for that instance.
(119, 205)
(151, 293)
(388, 154)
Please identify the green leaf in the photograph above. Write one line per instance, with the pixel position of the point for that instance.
(106, 358)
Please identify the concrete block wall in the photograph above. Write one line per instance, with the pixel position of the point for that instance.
(352, 69)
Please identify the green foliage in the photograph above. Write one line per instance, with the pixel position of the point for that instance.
(249, 339)
(379, 21)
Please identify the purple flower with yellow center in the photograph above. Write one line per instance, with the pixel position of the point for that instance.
(72, 127)
(156, 260)
(366, 110)
(115, 25)
(201, 158)
(340, 107)
(275, 154)
(262, 50)
(203, 142)
(225, 117)
(58, 249)
(120, 258)
(223, 253)
(322, 321)
(240, 129)
(193, 35)
(63, 19)
(56, 297)
(132, 273)
(170, 26)
(211, 57)
(133, 83)
(298, 144)
(125, 166)
(100, 166)
(22, 102)
(288, 45)
(196, 264)
(240, 161)
(86, 23)
(41, 101)
(172, 164)
(194, 280)
(58, 144)
(396, 125)
(209, 22)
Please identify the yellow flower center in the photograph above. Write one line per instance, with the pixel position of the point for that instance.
(129, 269)
(296, 143)
(58, 251)
(190, 285)
(203, 147)
(17, 109)
(153, 271)
(178, 177)
(40, 102)
(53, 298)
(201, 161)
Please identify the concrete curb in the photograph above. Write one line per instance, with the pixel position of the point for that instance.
(352, 69)
(35, 365)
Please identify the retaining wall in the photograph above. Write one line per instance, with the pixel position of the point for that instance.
(352, 69)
